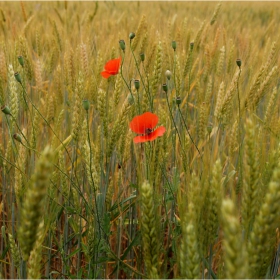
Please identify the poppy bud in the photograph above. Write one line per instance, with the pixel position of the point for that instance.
(209, 128)
(21, 60)
(178, 100)
(6, 110)
(142, 56)
(238, 62)
(131, 35)
(174, 45)
(17, 137)
(86, 104)
(137, 84)
(191, 45)
(168, 74)
(164, 87)
(122, 44)
(130, 99)
(17, 76)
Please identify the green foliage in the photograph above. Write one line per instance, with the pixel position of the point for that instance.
(200, 201)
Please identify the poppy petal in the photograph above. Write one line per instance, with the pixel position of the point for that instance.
(141, 123)
(112, 66)
(151, 136)
(105, 74)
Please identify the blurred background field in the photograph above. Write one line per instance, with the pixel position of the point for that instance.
(80, 199)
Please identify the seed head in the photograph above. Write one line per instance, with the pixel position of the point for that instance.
(131, 35)
(17, 137)
(174, 45)
(6, 110)
(21, 60)
(238, 62)
(168, 74)
(191, 45)
(130, 99)
(178, 100)
(142, 56)
(137, 84)
(122, 44)
(164, 87)
(17, 76)
(86, 104)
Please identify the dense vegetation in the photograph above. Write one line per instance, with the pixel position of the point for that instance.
(85, 193)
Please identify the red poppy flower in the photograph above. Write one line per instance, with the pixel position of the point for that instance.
(144, 124)
(111, 68)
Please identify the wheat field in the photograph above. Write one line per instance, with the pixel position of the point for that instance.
(139, 140)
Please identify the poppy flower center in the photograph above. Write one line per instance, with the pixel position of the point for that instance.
(148, 131)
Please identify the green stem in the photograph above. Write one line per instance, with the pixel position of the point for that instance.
(189, 80)
(175, 124)
(13, 142)
(188, 130)
(121, 72)
(239, 136)
(13, 165)
(19, 129)
(127, 265)
(137, 66)
(209, 268)
(139, 106)
(174, 70)
(93, 185)
(72, 163)
(30, 112)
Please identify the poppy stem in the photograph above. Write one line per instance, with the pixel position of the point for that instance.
(138, 97)
(30, 100)
(174, 69)
(137, 66)
(240, 178)
(189, 76)
(188, 130)
(174, 123)
(129, 88)
(93, 185)
(15, 151)
(19, 129)
(29, 148)
(24, 94)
